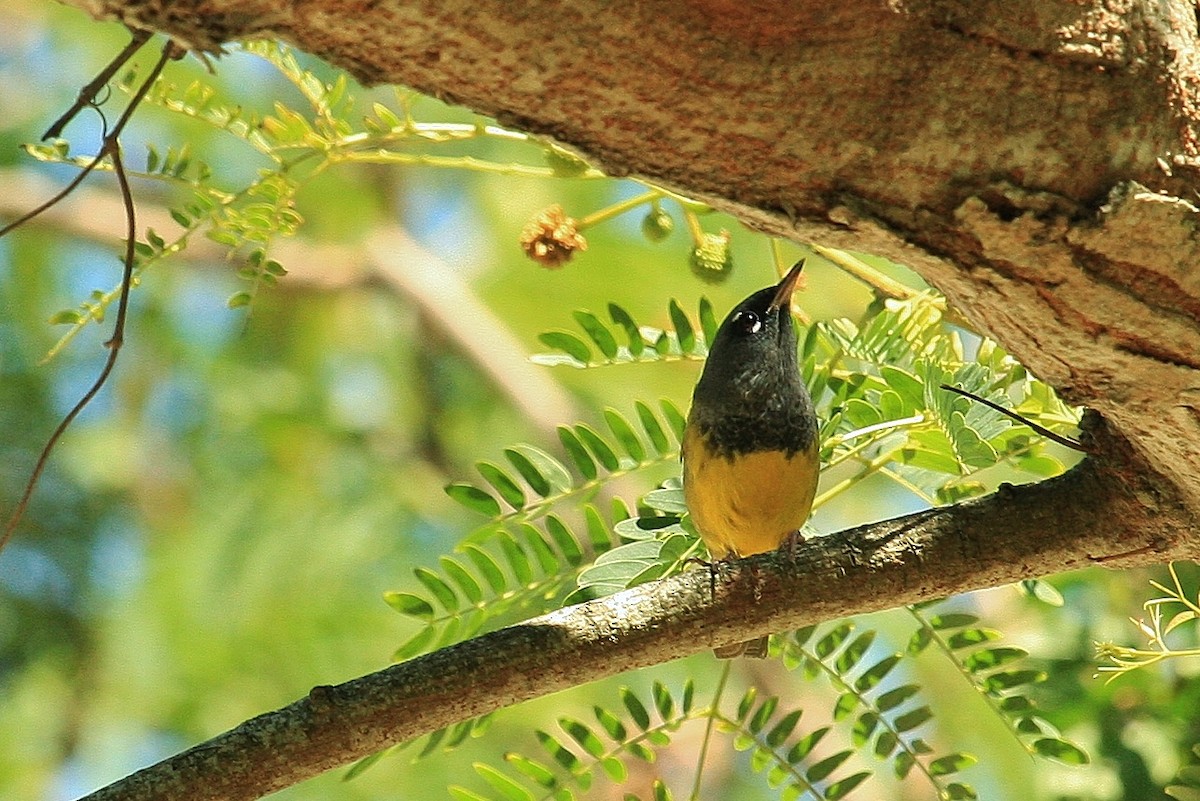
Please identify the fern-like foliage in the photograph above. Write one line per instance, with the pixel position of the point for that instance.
(625, 341)
(526, 558)
(574, 756)
(997, 674)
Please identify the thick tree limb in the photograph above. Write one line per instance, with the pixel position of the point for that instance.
(1061, 524)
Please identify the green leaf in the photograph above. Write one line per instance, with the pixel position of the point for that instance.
(558, 752)
(885, 744)
(833, 640)
(611, 724)
(583, 735)
(597, 529)
(746, 703)
(873, 675)
(634, 706)
(957, 791)
(971, 637)
(487, 567)
(473, 498)
(683, 328)
(517, 559)
(845, 706)
(1008, 679)
(668, 501)
(840, 789)
(689, 694)
(567, 342)
(615, 570)
(632, 333)
(896, 696)
(903, 763)
(502, 483)
(579, 454)
(783, 729)
(762, 714)
(536, 543)
(625, 435)
(614, 769)
(708, 320)
(919, 641)
(806, 744)
(531, 768)
(533, 477)
(417, 644)
(910, 388)
(598, 333)
(565, 541)
(660, 790)
(438, 588)
(463, 794)
(65, 317)
(238, 300)
(992, 658)
(1061, 751)
(951, 763)
(863, 728)
(1044, 591)
(506, 787)
(912, 719)
(823, 769)
(598, 447)
(361, 766)
(663, 701)
(674, 417)
(462, 579)
(408, 604)
(952, 620)
(653, 429)
(853, 652)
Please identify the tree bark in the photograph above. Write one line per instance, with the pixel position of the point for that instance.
(1036, 160)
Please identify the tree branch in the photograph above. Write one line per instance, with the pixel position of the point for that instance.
(1095, 514)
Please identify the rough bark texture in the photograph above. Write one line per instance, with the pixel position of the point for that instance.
(1036, 160)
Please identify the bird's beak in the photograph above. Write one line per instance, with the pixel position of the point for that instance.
(785, 288)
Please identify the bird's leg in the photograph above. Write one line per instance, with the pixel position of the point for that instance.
(791, 545)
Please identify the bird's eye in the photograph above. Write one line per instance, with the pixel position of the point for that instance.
(748, 322)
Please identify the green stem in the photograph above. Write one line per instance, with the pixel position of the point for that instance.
(708, 730)
(617, 209)
(884, 285)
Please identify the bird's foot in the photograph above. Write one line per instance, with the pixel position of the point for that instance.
(791, 545)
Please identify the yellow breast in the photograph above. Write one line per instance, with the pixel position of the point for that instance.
(750, 503)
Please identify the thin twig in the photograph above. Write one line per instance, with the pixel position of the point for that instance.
(1067, 442)
(87, 95)
(170, 50)
(111, 148)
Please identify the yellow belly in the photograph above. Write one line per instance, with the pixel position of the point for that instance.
(747, 504)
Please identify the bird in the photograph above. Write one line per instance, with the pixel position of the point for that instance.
(750, 445)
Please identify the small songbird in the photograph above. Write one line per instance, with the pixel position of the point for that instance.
(750, 456)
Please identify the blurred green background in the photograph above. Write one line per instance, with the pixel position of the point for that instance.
(215, 534)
